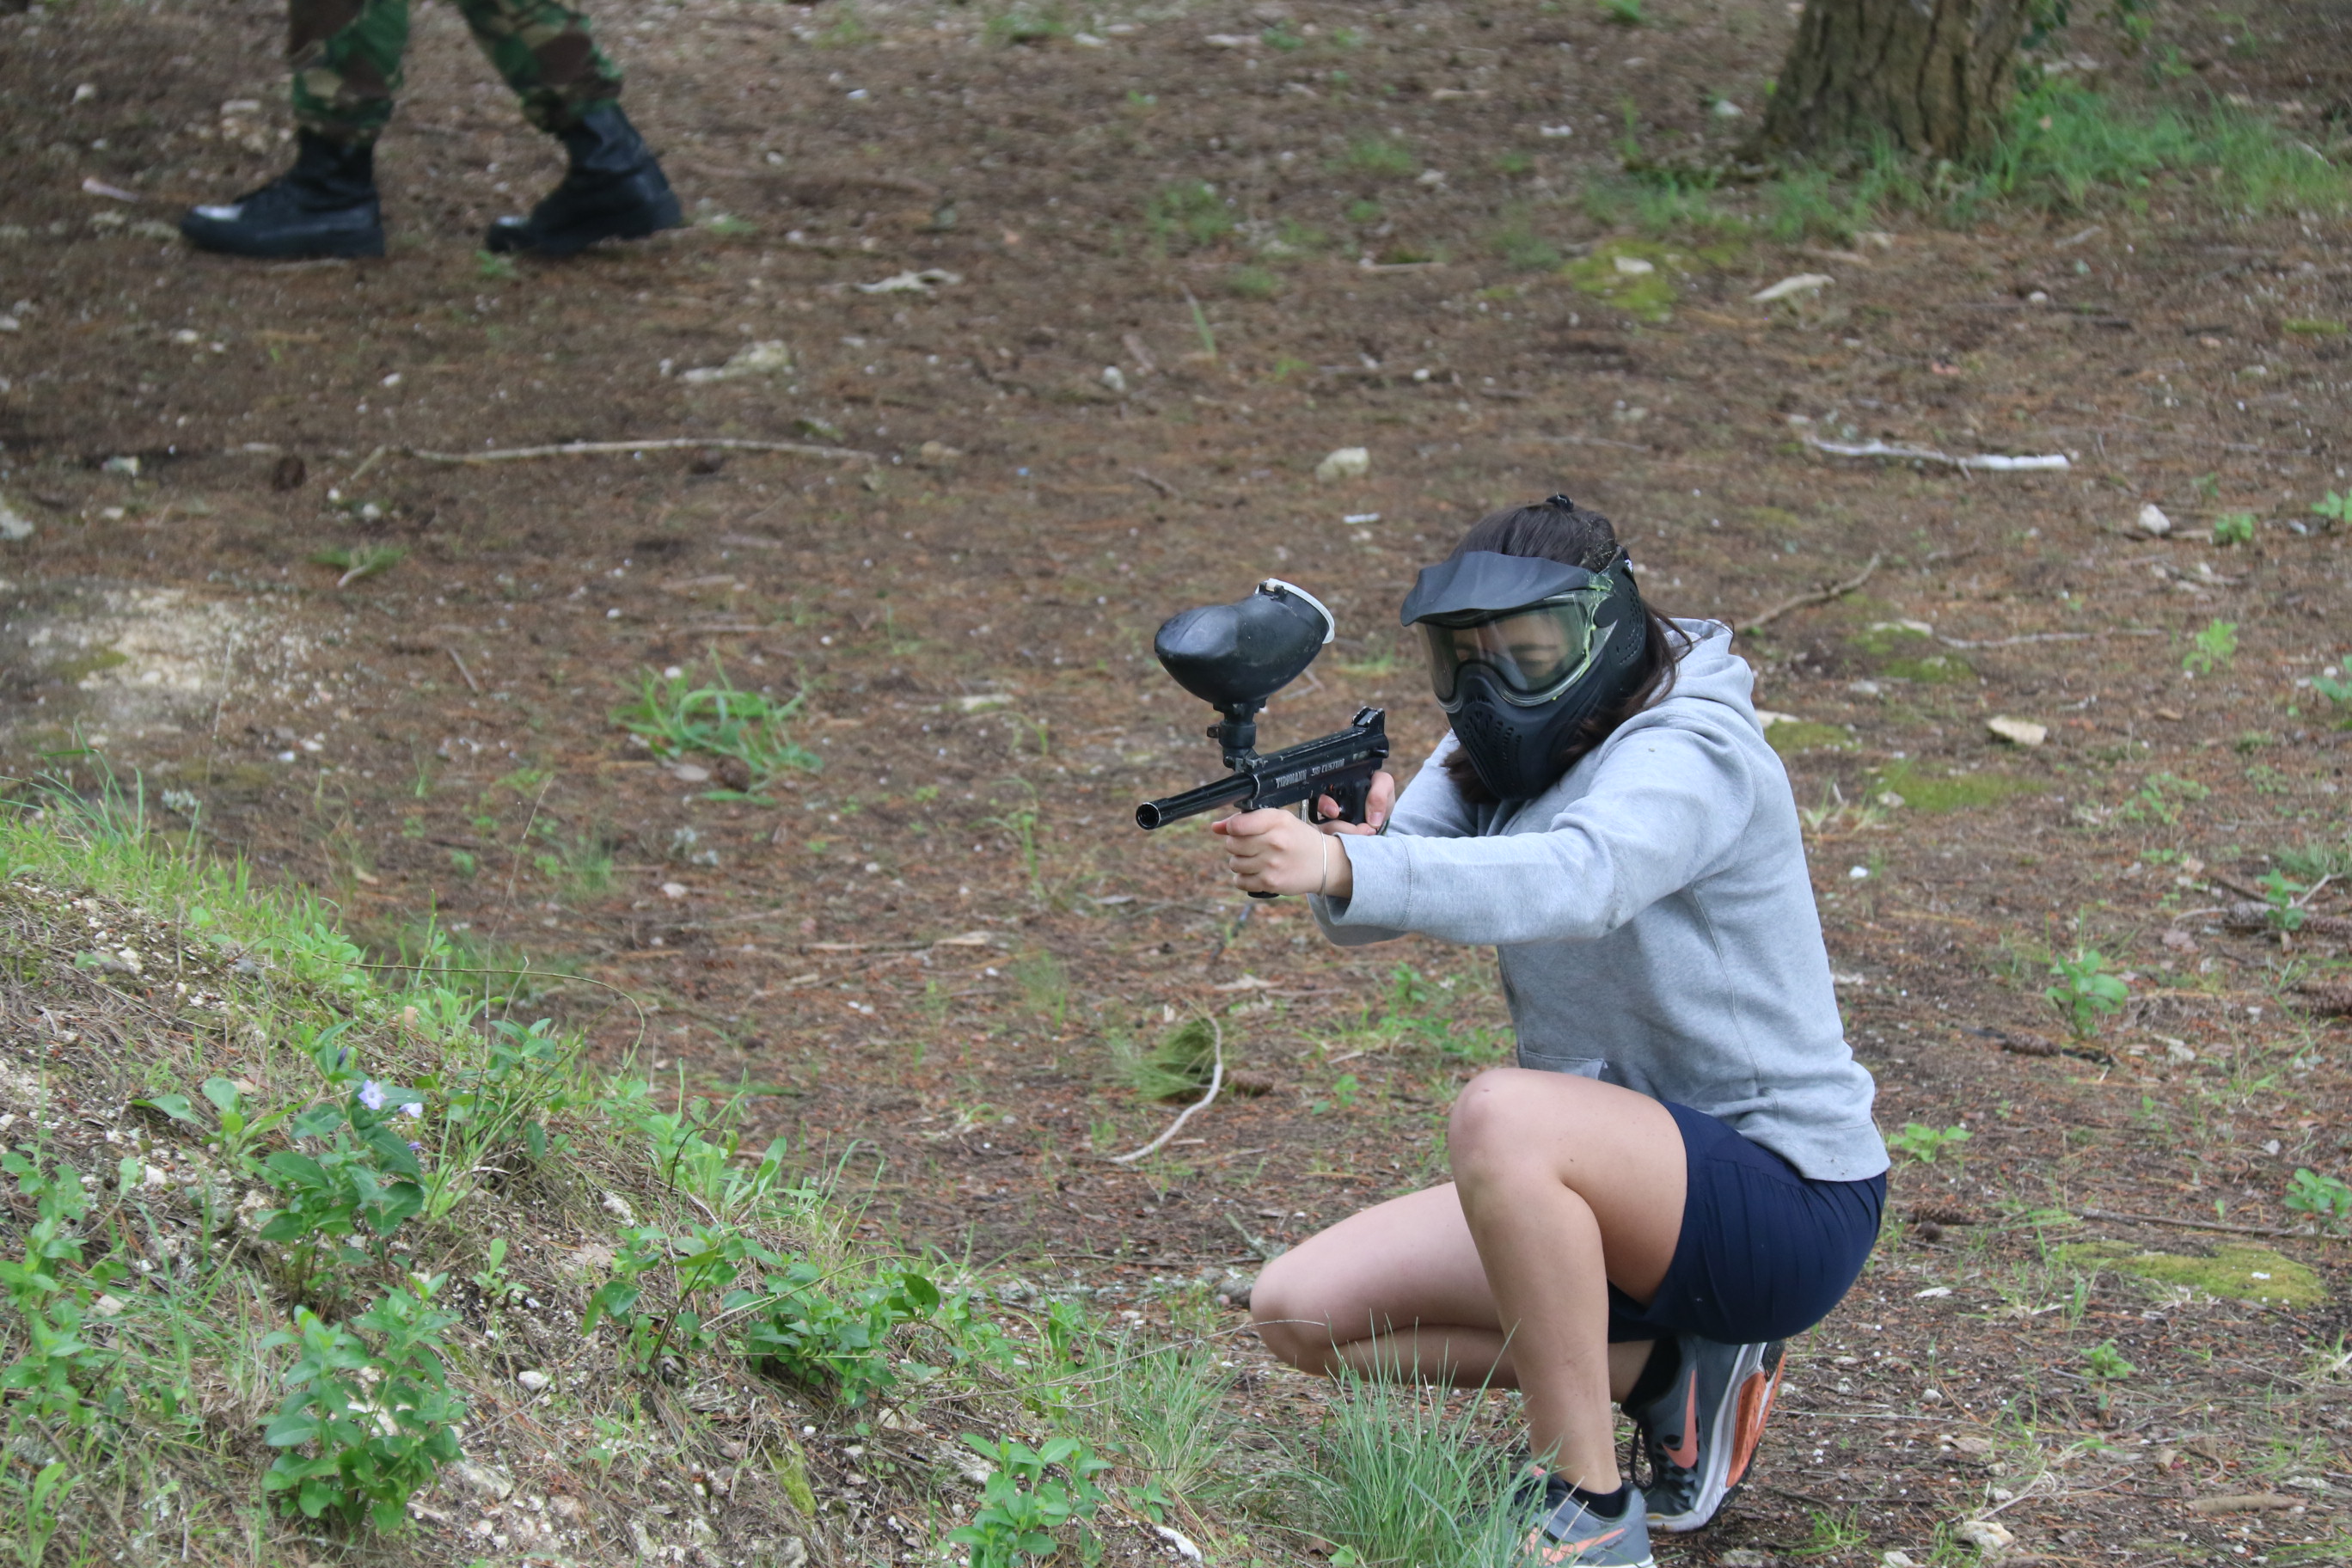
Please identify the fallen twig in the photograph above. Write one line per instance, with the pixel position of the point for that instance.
(1216, 1082)
(1162, 486)
(1818, 596)
(617, 448)
(1993, 461)
(365, 464)
(471, 684)
(2188, 1224)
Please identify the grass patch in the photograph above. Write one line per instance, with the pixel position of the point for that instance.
(1937, 792)
(1190, 212)
(387, 1232)
(1382, 157)
(1396, 1477)
(1177, 1066)
(675, 716)
(1254, 282)
(2231, 1274)
(1521, 247)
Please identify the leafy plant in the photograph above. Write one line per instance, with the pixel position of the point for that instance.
(2339, 694)
(1191, 210)
(493, 268)
(53, 1292)
(2215, 647)
(809, 1335)
(2280, 895)
(676, 716)
(2333, 508)
(1927, 1144)
(2107, 1364)
(1624, 12)
(376, 1422)
(2160, 797)
(352, 1177)
(1179, 1064)
(1023, 1504)
(2233, 528)
(2085, 992)
(2327, 1199)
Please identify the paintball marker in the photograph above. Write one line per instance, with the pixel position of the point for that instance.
(1234, 657)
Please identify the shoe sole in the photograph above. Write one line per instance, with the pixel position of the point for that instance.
(640, 224)
(1745, 1405)
(356, 248)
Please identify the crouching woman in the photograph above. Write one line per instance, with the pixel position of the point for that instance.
(1682, 1171)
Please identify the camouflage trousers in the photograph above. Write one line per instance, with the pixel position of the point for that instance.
(346, 59)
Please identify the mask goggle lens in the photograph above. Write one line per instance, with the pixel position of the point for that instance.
(1534, 654)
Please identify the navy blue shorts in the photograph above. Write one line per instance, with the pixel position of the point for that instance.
(1764, 1253)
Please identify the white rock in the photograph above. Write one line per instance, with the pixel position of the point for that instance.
(108, 1306)
(674, 890)
(921, 282)
(1434, 178)
(618, 1207)
(1635, 266)
(1115, 378)
(533, 1380)
(1802, 283)
(2153, 523)
(1898, 1560)
(689, 773)
(770, 358)
(2018, 732)
(15, 526)
(1768, 717)
(1984, 1534)
(488, 1480)
(1347, 463)
(1745, 1557)
(1726, 110)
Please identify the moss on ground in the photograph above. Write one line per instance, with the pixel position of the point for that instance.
(1791, 736)
(1647, 284)
(1937, 792)
(2233, 1273)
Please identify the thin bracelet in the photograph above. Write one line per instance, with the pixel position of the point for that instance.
(1322, 888)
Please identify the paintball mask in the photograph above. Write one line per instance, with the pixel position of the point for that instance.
(1522, 651)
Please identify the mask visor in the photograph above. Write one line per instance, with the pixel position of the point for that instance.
(1534, 654)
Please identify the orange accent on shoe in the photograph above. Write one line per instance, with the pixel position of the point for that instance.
(1566, 1551)
(1755, 1405)
(1684, 1452)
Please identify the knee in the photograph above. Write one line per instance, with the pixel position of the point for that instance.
(1283, 1314)
(1489, 1120)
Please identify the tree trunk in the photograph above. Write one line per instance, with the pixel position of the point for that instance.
(1931, 76)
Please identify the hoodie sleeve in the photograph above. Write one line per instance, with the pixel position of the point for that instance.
(1666, 803)
(1429, 807)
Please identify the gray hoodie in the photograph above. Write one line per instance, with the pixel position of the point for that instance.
(1654, 917)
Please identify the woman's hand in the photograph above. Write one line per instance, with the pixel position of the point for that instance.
(1376, 808)
(1275, 852)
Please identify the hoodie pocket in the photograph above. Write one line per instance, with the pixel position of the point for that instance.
(1574, 1066)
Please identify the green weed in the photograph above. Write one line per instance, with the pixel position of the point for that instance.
(1177, 1066)
(359, 562)
(1024, 1502)
(1394, 1477)
(1517, 245)
(1927, 1144)
(1254, 282)
(676, 716)
(2233, 528)
(2107, 1364)
(2215, 647)
(2086, 992)
(1381, 157)
(1191, 211)
(1027, 25)
(2327, 1199)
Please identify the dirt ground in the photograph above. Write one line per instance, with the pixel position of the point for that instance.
(1164, 262)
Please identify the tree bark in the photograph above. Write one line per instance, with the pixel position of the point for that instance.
(1932, 77)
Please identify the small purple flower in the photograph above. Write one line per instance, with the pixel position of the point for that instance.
(415, 1147)
(413, 1108)
(371, 1095)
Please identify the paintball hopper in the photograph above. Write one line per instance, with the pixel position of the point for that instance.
(1234, 657)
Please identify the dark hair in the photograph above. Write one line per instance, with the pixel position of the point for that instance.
(1557, 529)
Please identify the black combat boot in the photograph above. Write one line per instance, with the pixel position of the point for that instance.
(614, 190)
(324, 206)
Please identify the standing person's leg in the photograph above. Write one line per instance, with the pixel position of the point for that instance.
(614, 188)
(1564, 1187)
(346, 58)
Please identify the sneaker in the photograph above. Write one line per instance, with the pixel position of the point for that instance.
(1570, 1534)
(1700, 1435)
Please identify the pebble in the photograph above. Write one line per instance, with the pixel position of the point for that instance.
(1984, 1534)
(2153, 523)
(533, 1380)
(2018, 732)
(1346, 463)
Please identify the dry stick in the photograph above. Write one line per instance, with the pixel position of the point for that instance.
(2191, 1224)
(1818, 596)
(1162, 486)
(616, 448)
(471, 684)
(368, 462)
(1216, 1082)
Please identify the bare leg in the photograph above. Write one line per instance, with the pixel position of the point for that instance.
(1565, 1184)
